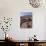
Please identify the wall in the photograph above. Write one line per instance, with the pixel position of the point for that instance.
(12, 8)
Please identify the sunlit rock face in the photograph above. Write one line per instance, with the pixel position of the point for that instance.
(36, 3)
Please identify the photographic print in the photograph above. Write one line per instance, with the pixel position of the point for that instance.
(26, 20)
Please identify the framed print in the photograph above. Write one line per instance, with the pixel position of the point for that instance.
(26, 20)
